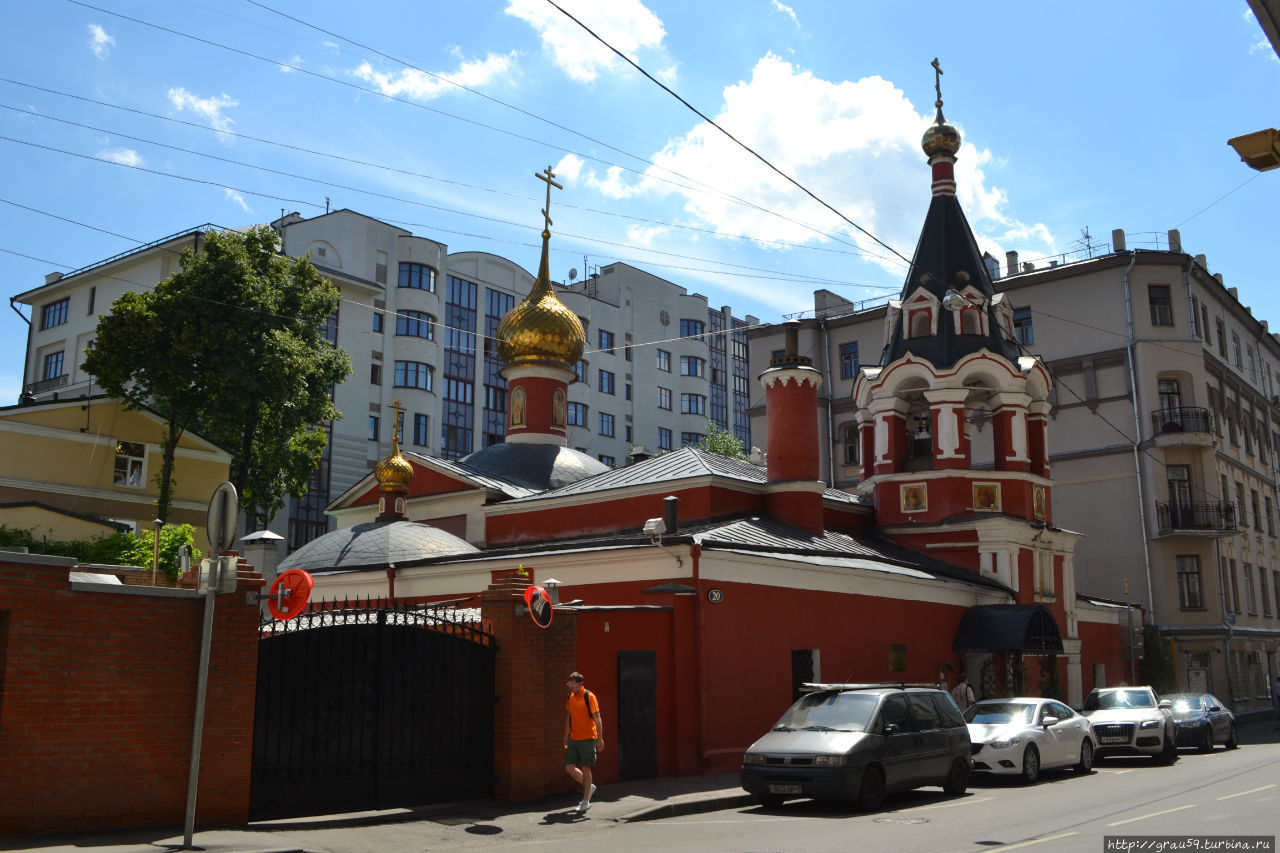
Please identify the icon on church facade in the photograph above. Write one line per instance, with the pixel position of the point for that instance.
(915, 497)
(1037, 503)
(986, 497)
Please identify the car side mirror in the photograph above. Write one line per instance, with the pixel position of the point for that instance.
(1214, 708)
(1049, 721)
(1165, 703)
(891, 728)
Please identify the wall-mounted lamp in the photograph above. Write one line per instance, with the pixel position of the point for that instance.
(654, 528)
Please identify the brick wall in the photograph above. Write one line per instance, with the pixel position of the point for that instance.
(530, 671)
(97, 699)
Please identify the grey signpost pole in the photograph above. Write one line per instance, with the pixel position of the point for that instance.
(221, 525)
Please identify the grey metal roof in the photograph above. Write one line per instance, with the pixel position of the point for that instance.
(684, 464)
(534, 466)
(766, 535)
(376, 544)
(466, 472)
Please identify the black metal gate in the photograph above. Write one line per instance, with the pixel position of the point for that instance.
(362, 708)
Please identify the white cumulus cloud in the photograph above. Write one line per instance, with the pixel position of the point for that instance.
(100, 42)
(123, 156)
(855, 144)
(628, 25)
(211, 109)
(786, 10)
(421, 86)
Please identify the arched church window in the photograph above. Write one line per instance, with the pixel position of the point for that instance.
(970, 322)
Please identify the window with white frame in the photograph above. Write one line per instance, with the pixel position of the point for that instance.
(131, 464)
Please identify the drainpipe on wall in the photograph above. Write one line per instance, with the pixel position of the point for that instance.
(695, 555)
(1191, 306)
(826, 378)
(1222, 612)
(1137, 437)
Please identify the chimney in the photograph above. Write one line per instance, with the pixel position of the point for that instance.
(670, 513)
(1011, 262)
(794, 493)
(261, 550)
(52, 277)
(1203, 261)
(1027, 266)
(1117, 240)
(638, 454)
(1175, 240)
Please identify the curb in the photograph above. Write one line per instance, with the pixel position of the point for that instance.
(687, 807)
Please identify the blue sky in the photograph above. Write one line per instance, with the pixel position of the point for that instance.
(124, 121)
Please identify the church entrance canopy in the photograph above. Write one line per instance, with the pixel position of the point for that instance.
(1026, 628)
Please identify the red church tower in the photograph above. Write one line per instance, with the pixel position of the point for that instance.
(953, 422)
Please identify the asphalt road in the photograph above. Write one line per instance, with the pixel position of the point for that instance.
(1223, 793)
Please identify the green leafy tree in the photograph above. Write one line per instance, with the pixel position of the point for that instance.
(233, 345)
(146, 354)
(1157, 662)
(721, 441)
(274, 366)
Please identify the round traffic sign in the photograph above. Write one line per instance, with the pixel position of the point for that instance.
(224, 507)
(295, 584)
(540, 609)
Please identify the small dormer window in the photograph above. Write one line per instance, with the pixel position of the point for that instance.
(921, 323)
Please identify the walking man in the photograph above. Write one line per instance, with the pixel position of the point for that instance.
(962, 693)
(583, 737)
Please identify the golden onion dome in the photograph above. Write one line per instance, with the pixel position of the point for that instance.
(394, 472)
(541, 330)
(940, 139)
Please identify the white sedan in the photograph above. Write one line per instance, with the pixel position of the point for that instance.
(1026, 735)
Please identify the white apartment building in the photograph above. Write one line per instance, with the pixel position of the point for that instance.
(1163, 437)
(418, 324)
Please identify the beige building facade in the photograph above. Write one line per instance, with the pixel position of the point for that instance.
(1163, 429)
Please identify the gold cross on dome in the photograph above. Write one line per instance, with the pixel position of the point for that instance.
(547, 176)
(395, 426)
(937, 86)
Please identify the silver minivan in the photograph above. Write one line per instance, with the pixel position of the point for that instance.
(857, 742)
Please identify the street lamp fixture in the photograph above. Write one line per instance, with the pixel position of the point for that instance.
(155, 550)
(1259, 150)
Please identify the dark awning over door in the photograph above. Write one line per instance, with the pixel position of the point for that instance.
(1026, 628)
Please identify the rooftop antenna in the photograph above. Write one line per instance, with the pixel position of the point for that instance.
(573, 273)
(326, 205)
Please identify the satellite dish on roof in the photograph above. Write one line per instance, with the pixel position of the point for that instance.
(573, 273)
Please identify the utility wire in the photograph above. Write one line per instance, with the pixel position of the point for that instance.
(733, 138)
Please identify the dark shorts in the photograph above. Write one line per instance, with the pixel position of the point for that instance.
(581, 753)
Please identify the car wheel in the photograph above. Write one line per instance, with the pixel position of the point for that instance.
(1169, 752)
(1206, 739)
(1232, 742)
(1085, 764)
(958, 779)
(871, 791)
(1030, 764)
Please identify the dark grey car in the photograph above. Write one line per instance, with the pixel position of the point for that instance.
(1202, 721)
(858, 742)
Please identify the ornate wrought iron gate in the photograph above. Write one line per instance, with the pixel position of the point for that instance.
(363, 708)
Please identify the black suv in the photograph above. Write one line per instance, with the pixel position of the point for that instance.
(858, 742)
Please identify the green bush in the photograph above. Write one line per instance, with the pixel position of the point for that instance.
(118, 549)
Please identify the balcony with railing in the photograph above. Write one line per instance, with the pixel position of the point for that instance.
(1182, 427)
(1211, 518)
(44, 386)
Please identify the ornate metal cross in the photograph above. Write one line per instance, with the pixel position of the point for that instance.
(937, 86)
(547, 176)
(395, 426)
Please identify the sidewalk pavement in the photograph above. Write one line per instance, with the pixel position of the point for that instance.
(621, 802)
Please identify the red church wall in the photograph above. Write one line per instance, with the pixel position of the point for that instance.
(1103, 643)
(612, 516)
(840, 518)
(958, 548)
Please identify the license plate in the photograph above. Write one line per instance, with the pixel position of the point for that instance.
(784, 789)
(1113, 739)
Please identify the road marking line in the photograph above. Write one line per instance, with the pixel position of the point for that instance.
(1153, 814)
(951, 805)
(1034, 841)
(1242, 793)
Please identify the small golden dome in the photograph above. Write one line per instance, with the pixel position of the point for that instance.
(940, 139)
(541, 330)
(394, 472)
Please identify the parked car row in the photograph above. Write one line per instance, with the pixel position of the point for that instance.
(859, 742)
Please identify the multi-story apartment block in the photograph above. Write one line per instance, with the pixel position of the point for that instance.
(1165, 424)
(418, 323)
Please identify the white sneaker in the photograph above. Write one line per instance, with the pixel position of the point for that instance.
(583, 806)
(592, 794)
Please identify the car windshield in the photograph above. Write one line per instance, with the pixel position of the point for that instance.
(1188, 703)
(999, 713)
(830, 711)
(1114, 699)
